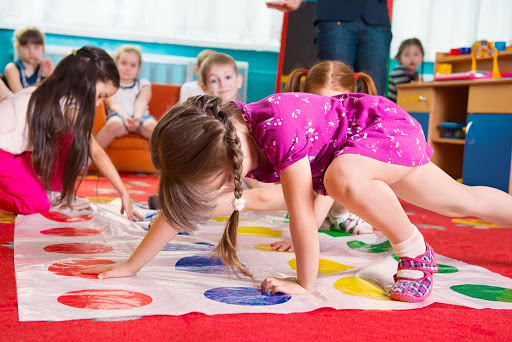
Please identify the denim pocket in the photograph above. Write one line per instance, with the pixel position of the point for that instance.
(325, 26)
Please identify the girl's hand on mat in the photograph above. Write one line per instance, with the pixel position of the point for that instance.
(283, 246)
(288, 286)
(109, 271)
(127, 206)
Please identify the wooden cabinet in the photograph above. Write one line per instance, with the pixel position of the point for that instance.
(485, 106)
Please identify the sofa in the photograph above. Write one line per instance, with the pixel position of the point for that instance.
(131, 153)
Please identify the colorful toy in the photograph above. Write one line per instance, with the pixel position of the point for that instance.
(453, 130)
(485, 49)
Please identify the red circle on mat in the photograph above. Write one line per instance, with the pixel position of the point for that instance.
(78, 248)
(104, 299)
(70, 231)
(60, 217)
(71, 268)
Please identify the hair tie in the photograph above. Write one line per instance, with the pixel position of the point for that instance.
(306, 72)
(238, 204)
(73, 52)
(356, 75)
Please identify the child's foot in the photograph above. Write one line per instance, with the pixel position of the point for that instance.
(415, 290)
(350, 222)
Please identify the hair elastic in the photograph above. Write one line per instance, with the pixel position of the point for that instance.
(306, 72)
(238, 204)
(356, 75)
(73, 52)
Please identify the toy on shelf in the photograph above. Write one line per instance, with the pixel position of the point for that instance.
(485, 49)
(453, 130)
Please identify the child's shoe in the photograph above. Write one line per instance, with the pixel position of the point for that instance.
(415, 290)
(351, 223)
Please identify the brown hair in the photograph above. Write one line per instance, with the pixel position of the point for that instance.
(215, 59)
(329, 74)
(128, 48)
(62, 107)
(29, 34)
(192, 143)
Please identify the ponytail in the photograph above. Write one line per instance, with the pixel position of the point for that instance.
(294, 82)
(367, 84)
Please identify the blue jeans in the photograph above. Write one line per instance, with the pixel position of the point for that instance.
(363, 47)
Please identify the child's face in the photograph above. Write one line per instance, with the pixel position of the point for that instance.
(104, 90)
(128, 65)
(411, 57)
(223, 81)
(31, 53)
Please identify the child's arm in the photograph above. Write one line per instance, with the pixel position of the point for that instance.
(12, 74)
(104, 164)
(142, 102)
(298, 193)
(114, 106)
(157, 237)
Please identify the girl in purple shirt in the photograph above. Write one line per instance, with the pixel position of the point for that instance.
(363, 151)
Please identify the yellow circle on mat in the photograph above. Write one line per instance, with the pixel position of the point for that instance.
(226, 219)
(265, 247)
(356, 286)
(324, 266)
(259, 231)
(476, 222)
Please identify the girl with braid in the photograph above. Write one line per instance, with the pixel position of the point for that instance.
(363, 151)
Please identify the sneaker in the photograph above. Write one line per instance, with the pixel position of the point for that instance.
(351, 223)
(77, 203)
(415, 290)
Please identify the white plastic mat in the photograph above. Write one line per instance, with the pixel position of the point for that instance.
(355, 271)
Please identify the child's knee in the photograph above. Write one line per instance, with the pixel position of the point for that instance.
(115, 127)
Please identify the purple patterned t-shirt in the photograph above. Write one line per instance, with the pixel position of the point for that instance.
(291, 126)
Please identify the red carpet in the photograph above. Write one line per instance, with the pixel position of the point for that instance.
(489, 248)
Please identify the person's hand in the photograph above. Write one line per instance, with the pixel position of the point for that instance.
(288, 286)
(117, 270)
(127, 206)
(283, 246)
(46, 67)
(132, 124)
(285, 5)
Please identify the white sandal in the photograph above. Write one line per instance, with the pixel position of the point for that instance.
(351, 223)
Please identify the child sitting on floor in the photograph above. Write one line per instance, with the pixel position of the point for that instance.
(46, 136)
(194, 88)
(128, 108)
(30, 68)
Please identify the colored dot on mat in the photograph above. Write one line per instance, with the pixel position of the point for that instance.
(245, 296)
(197, 246)
(78, 248)
(259, 231)
(201, 264)
(485, 292)
(226, 219)
(356, 286)
(368, 248)
(325, 266)
(104, 299)
(442, 268)
(71, 268)
(475, 223)
(265, 247)
(70, 231)
(60, 217)
(334, 232)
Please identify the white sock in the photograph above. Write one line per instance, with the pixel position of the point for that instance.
(411, 248)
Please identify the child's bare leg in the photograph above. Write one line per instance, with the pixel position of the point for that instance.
(430, 187)
(112, 129)
(147, 128)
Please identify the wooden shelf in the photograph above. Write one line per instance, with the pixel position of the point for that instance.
(449, 141)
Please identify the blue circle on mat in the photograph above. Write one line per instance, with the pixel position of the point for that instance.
(245, 296)
(196, 246)
(201, 264)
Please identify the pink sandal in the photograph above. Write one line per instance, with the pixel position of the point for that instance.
(415, 290)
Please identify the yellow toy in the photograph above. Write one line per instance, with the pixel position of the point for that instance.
(485, 49)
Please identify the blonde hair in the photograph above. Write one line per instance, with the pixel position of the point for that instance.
(329, 74)
(203, 55)
(215, 59)
(29, 34)
(192, 143)
(129, 48)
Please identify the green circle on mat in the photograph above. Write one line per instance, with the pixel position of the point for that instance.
(485, 292)
(334, 233)
(442, 268)
(367, 248)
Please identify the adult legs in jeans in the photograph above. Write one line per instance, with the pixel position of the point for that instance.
(363, 47)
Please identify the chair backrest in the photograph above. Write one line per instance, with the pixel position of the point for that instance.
(164, 96)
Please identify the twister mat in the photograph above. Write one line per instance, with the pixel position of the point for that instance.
(355, 271)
